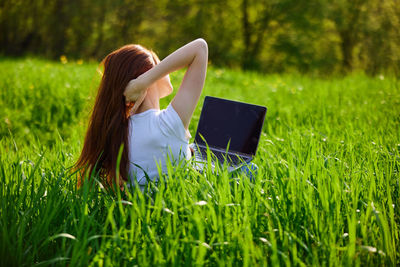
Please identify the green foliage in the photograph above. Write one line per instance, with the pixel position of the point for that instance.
(326, 193)
(325, 37)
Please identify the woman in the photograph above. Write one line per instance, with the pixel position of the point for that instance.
(127, 113)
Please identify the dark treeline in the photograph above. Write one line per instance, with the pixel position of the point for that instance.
(325, 36)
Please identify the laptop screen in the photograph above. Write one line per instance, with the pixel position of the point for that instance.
(224, 120)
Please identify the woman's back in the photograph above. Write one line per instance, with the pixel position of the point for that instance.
(153, 135)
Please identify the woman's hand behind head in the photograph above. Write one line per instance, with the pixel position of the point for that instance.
(134, 90)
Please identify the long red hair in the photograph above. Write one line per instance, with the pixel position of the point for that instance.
(108, 124)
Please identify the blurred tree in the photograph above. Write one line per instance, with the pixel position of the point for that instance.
(256, 16)
(260, 18)
(297, 43)
(266, 35)
(348, 18)
(381, 40)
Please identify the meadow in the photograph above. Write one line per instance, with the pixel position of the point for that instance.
(326, 192)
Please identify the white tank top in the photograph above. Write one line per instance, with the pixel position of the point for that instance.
(154, 134)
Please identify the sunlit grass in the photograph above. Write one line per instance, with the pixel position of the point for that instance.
(326, 192)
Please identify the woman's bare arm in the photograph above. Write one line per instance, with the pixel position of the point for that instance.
(193, 55)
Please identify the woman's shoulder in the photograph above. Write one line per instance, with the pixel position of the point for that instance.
(172, 123)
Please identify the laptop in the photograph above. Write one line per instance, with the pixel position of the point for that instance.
(230, 129)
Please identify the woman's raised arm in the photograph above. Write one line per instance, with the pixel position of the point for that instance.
(193, 55)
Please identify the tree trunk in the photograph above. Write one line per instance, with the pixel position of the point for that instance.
(246, 29)
(253, 36)
(347, 45)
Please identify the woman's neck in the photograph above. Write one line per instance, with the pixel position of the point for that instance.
(151, 101)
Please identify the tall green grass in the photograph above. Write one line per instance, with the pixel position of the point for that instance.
(326, 192)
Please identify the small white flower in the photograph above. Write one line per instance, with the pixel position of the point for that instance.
(167, 210)
(201, 203)
(204, 244)
(264, 240)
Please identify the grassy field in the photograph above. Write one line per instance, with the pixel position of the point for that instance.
(326, 193)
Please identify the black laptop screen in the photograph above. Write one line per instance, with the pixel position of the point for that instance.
(223, 120)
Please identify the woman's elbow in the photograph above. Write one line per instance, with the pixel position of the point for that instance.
(202, 44)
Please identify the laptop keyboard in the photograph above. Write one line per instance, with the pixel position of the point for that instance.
(221, 156)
